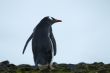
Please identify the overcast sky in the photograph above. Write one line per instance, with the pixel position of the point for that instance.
(83, 36)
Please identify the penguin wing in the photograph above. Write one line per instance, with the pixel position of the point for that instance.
(53, 41)
(27, 43)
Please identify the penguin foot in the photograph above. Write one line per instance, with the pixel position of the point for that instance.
(51, 67)
(42, 67)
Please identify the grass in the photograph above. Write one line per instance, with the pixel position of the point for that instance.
(100, 67)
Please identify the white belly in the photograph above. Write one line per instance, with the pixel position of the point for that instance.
(52, 48)
(51, 45)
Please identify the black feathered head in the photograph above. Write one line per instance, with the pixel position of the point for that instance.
(50, 20)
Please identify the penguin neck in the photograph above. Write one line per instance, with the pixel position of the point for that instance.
(43, 29)
(44, 25)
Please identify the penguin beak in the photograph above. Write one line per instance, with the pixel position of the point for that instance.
(58, 20)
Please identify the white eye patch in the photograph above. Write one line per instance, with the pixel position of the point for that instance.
(50, 18)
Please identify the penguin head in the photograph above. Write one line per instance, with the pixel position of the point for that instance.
(53, 20)
(50, 20)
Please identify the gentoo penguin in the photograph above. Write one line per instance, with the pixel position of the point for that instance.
(43, 43)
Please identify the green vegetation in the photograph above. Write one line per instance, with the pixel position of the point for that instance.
(6, 67)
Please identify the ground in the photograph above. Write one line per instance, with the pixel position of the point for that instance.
(96, 67)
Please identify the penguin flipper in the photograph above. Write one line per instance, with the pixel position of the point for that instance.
(27, 43)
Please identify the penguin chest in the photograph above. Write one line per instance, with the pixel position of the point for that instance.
(51, 43)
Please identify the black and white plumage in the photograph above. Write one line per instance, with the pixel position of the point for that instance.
(43, 42)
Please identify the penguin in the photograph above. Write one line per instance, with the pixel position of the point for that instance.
(43, 43)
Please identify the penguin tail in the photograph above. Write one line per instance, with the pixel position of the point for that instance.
(27, 43)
